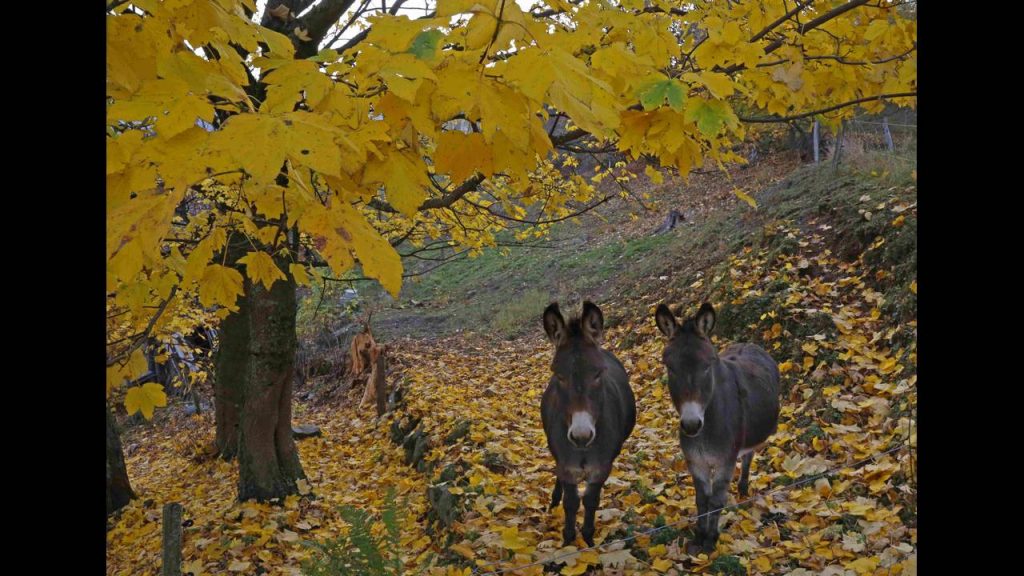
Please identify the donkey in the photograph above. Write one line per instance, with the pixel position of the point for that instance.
(588, 411)
(728, 406)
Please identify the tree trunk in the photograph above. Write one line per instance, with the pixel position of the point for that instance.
(268, 459)
(231, 367)
(232, 363)
(119, 490)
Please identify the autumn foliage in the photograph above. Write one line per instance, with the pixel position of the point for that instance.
(247, 154)
(323, 156)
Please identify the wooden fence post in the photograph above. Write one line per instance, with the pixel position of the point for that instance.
(379, 384)
(888, 135)
(839, 147)
(172, 540)
(815, 141)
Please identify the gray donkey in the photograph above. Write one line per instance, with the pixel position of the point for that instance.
(728, 406)
(588, 411)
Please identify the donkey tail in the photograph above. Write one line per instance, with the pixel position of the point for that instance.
(556, 495)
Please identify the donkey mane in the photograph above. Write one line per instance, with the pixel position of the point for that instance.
(574, 326)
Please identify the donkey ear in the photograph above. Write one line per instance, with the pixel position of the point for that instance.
(554, 324)
(705, 320)
(592, 322)
(666, 321)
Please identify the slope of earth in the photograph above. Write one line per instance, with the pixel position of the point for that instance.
(498, 293)
(823, 275)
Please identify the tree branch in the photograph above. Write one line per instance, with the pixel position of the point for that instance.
(140, 338)
(803, 29)
(355, 16)
(770, 119)
(445, 201)
(799, 6)
(362, 35)
(569, 136)
(842, 60)
(539, 222)
(454, 257)
(316, 23)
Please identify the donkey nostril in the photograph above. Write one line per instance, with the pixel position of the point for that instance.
(581, 438)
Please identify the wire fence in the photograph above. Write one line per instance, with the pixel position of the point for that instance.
(812, 478)
(856, 121)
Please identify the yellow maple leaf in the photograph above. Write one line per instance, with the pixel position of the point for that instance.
(661, 564)
(463, 550)
(864, 565)
(220, 285)
(877, 28)
(653, 174)
(745, 197)
(511, 539)
(261, 268)
(145, 398)
(404, 180)
(461, 155)
(574, 570)
(719, 84)
(298, 272)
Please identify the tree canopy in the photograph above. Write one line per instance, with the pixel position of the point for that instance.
(447, 126)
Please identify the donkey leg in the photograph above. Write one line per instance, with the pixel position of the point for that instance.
(717, 500)
(571, 505)
(556, 495)
(700, 486)
(745, 473)
(591, 498)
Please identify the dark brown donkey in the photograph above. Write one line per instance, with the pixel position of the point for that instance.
(588, 411)
(728, 406)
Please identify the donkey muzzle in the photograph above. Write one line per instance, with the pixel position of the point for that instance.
(691, 418)
(581, 429)
(691, 427)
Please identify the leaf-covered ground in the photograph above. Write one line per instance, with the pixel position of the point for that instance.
(848, 356)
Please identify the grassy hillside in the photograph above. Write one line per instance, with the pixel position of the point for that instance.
(612, 255)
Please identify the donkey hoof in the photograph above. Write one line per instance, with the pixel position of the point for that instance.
(693, 548)
(743, 490)
(589, 539)
(709, 545)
